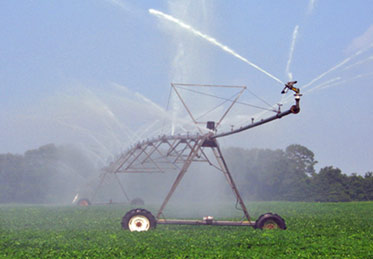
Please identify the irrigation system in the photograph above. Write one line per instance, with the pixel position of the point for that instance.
(167, 153)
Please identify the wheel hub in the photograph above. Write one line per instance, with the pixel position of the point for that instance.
(83, 203)
(139, 223)
(270, 225)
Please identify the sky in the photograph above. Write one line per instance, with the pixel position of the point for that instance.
(97, 73)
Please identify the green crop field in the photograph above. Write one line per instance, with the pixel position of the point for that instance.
(315, 230)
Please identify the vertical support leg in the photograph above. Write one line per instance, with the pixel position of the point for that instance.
(121, 187)
(182, 172)
(98, 187)
(102, 181)
(219, 157)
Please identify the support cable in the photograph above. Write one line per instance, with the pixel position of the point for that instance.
(226, 99)
(167, 107)
(216, 107)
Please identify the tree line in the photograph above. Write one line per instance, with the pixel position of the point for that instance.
(52, 174)
(264, 174)
(48, 174)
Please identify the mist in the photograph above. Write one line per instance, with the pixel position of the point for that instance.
(81, 124)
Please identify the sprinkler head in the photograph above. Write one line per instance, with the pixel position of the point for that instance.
(290, 85)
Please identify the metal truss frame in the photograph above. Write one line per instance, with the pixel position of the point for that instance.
(177, 152)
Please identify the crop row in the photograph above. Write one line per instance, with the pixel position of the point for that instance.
(314, 230)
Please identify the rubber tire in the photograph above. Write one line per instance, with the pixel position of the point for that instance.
(260, 222)
(135, 212)
(137, 202)
(84, 202)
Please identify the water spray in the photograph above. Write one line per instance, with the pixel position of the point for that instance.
(325, 86)
(212, 41)
(291, 52)
(337, 66)
(331, 81)
(369, 59)
(311, 6)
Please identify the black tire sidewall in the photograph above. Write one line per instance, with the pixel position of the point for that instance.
(270, 217)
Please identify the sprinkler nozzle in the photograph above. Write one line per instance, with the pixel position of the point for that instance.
(290, 85)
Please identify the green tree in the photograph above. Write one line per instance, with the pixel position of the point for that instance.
(355, 188)
(330, 185)
(368, 185)
(302, 159)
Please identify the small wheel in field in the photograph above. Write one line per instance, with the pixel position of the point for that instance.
(139, 220)
(137, 202)
(270, 221)
(83, 202)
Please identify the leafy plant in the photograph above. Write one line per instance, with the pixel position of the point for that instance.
(314, 230)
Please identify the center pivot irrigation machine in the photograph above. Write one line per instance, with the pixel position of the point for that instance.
(178, 152)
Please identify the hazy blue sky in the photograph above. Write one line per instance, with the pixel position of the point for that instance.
(80, 71)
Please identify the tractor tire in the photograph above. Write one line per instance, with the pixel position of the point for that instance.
(137, 202)
(84, 202)
(270, 221)
(138, 220)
